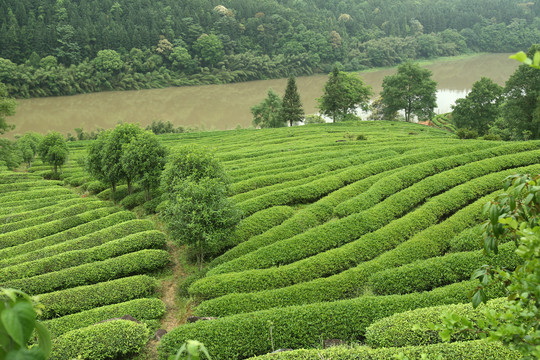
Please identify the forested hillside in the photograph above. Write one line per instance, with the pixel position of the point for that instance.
(59, 47)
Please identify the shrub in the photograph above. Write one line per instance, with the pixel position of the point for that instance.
(338, 233)
(244, 335)
(467, 134)
(412, 327)
(69, 301)
(140, 309)
(151, 239)
(427, 274)
(27, 234)
(139, 262)
(107, 340)
(470, 350)
(35, 249)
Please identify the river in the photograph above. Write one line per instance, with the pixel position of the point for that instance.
(228, 106)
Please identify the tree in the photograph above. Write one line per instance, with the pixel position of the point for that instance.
(108, 61)
(112, 151)
(198, 212)
(143, 160)
(28, 145)
(291, 108)
(267, 113)
(479, 109)
(53, 150)
(7, 108)
(94, 159)
(191, 163)
(521, 110)
(411, 90)
(210, 49)
(343, 94)
(200, 215)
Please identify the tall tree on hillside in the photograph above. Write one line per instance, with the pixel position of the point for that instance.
(291, 108)
(479, 109)
(412, 90)
(343, 94)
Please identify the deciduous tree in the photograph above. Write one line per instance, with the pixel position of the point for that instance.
(267, 114)
(479, 109)
(53, 150)
(343, 94)
(7, 108)
(412, 90)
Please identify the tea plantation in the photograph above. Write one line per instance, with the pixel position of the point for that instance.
(351, 232)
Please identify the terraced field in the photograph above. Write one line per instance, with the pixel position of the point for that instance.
(87, 260)
(338, 234)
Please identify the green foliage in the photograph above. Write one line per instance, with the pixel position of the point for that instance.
(108, 61)
(479, 109)
(268, 114)
(28, 145)
(210, 49)
(466, 134)
(245, 335)
(7, 108)
(193, 350)
(200, 215)
(291, 107)
(70, 301)
(473, 350)
(107, 340)
(53, 150)
(18, 314)
(343, 94)
(143, 160)
(140, 309)
(190, 163)
(521, 111)
(411, 90)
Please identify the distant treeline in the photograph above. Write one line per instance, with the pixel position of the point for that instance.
(62, 47)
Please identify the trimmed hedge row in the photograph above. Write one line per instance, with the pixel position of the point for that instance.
(25, 185)
(397, 330)
(33, 194)
(152, 239)
(108, 340)
(28, 234)
(431, 242)
(8, 177)
(415, 173)
(467, 240)
(467, 350)
(70, 301)
(60, 213)
(140, 309)
(311, 216)
(333, 261)
(330, 165)
(427, 274)
(244, 335)
(337, 233)
(47, 208)
(95, 187)
(321, 187)
(258, 223)
(238, 198)
(15, 207)
(7, 256)
(139, 262)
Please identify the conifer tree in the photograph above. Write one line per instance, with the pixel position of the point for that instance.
(291, 108)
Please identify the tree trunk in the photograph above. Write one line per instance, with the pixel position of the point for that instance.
(129, 186)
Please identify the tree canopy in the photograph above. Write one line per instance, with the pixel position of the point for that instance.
(53, 150)
(291, 107)
(267, 114)
(343, 94)
(412, 90)
(7, 108)
(480, 108)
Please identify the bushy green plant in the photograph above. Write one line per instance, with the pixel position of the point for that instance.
(18, 320)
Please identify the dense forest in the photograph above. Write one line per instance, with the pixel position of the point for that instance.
(62, 47)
